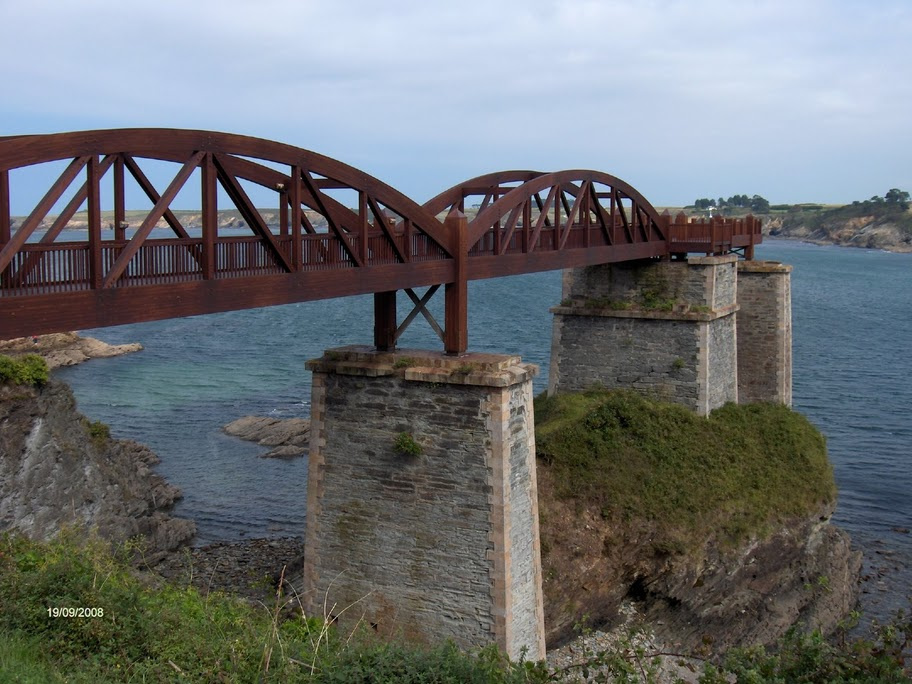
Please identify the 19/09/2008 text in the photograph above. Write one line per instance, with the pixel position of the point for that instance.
(81, 612)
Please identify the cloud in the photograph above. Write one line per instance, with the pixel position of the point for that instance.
(430, 93)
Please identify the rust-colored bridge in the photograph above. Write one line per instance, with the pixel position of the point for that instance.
(319, 247)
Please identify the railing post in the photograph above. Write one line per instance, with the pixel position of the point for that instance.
(456, 333)
(713, 234)
(96, 276)
(5, 219)
(210, 216)
(283, 213)
(751, 225)
(120, 215)
(665, 224)
(363, 230)
(297, 257)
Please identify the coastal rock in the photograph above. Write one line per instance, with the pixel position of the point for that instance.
(65, 349)
(59, 469)
(868, 232)
(289, 437)
(804, 572)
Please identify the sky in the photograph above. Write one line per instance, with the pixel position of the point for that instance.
(797, 101)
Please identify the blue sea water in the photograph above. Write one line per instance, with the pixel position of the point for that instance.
(852, 319)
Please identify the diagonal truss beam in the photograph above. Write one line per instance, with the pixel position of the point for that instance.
(420, 307)
(146, 185)
(335, 228)
(41, 210)
(379, 218)
(132, 247)
(242, 201)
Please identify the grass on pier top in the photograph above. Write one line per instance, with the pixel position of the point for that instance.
(736, 472)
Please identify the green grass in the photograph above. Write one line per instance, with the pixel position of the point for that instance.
(172, 633)
(732, 474)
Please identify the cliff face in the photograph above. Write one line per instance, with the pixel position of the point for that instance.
(804, 572)
(54, 472)
(859, 231)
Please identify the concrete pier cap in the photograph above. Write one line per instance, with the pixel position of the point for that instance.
(422, 505)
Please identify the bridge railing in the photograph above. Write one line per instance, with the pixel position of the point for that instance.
(581, 236)
(47, 269)
(714, 235)
(63, 267)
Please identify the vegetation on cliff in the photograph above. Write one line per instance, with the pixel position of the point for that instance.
(30, 370)
(731, 475)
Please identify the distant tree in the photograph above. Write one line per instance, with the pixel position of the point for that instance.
(759, 204)
(898, 197)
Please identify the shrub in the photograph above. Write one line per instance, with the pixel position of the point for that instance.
(405, 444)
(29, 370)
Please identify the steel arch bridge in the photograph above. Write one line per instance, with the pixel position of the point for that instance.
(336, 231)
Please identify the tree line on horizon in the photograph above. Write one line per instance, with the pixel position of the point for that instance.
(755, 203)
(894, 200)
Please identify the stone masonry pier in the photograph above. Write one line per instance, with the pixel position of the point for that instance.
(663, 328)
(764, 332)
(422, 508)
(699, 332)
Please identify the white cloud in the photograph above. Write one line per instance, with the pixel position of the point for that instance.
(682, 98)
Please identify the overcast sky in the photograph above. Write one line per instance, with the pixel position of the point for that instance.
(798, 100)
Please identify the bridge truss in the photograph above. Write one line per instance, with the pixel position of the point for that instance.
(331, 230)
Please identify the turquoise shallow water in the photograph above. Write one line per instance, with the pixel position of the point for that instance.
(852, 318)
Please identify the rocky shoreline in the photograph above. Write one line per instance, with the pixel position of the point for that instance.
(862, 232)
(251, 569)
(65, 349)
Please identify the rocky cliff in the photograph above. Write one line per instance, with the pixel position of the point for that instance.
(57, 468)
(804, 572)
(867, 231)
(713, 526)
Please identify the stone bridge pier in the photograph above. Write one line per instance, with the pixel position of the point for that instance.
(422, 508)
(700, 332)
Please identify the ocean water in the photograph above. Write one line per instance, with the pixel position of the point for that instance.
(852, 319)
